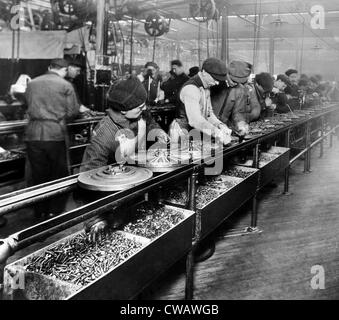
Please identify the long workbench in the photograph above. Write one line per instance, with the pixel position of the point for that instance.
(156, 255)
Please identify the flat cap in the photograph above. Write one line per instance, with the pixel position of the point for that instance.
(216, 68)
(62, 63)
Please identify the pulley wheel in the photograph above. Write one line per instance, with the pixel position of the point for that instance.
(113, 178)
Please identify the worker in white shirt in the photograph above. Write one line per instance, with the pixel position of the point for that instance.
(195, 111)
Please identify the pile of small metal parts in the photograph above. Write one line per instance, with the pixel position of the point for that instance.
(153, 220)
(220, 183)
(204, 195)
(235, 172)
(8, 155)
(80, 262)
(266, 157)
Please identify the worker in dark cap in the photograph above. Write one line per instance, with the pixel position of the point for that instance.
(195, 110)
(120, 133)
(278, 96)
(261, 104)
(74, 73)
(172, 86)
(231, 101)
(293, 91)
(51, 102)
(152, 82)
(193, 71)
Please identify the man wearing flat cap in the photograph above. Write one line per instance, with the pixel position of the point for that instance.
(231, 101)
(261, 104)
(195, 110)
(51, 103)
(75, 67)
(120, 133)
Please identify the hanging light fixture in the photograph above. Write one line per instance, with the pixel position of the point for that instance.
(316, 47)
(278, 21)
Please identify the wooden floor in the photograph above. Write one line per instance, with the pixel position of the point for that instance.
(299, 231)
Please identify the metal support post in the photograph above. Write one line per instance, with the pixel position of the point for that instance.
(287, 170)
(322, 121)
(254, 215)
(309, 152)
(189, 285)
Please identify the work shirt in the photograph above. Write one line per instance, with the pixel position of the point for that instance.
(51, 102)
(196, 109)
(231, 104)
(105, 138)
(257, 103)
(293, 93)
(280, 100)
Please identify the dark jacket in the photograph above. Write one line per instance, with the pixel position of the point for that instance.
(256, 101)
(231, 104)
(295, 95)
(103, 146)
(51, 102)
(172, 87)
(280, 100)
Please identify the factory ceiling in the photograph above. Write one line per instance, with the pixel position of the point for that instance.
(248, 19)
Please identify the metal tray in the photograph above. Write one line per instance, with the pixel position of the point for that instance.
(216, 211)
(124, 281)
(270, 169)
(13, 169)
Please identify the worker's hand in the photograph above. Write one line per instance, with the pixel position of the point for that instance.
(83, 109)
(230, 82)
(223, 137)
(275, 90)
(268, 102)
(95, 229)
(163, 137)
(243, 128)
(224, 128)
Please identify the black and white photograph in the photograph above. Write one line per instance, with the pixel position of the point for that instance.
(169, 155)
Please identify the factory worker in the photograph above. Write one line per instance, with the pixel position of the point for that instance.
(231, 101)
(51, 102)
(152, 82)
(278, 95)
(195, 110)
(126, 124)
(119, 134)
(259, 92)
(292, 91)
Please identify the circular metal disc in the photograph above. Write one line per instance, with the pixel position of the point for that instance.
(165, 160)
(113, 178)
(161, 160)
